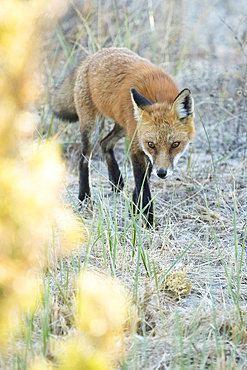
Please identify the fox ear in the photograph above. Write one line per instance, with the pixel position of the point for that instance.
(184, 104)
(139, 102)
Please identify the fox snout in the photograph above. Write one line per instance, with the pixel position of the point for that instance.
(161, 173)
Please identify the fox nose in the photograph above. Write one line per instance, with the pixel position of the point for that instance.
(162, 173)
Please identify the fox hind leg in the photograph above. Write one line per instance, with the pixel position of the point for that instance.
(89, 137)
(91, 122)
(107, 145)
(84, 189)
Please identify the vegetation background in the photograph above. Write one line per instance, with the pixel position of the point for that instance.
(182, 285)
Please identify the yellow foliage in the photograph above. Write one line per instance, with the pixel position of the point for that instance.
(18, 33)
(30, 178)
(76, 354)
(71, 230)
(40, 364)
(104, 313)
(103, 309)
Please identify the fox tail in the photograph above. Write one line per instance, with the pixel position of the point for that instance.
(62, 102)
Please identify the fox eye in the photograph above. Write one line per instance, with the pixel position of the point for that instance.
(151, 145)
(176, 144)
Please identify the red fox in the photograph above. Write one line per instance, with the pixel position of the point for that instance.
(145, 105)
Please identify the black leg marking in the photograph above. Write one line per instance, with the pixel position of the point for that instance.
(89, 137)
(107, 145)
(115, 175)
(142, 195)
(84, 189)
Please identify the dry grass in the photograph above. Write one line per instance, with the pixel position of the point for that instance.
(187, 277)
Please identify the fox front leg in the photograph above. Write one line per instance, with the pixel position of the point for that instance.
(141, 195)
(107, 145)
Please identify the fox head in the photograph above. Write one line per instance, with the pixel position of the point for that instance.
(164, 130)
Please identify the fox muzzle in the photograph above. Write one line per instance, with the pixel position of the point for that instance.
(161, 173)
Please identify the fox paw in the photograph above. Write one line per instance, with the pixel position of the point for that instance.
(118, 185)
